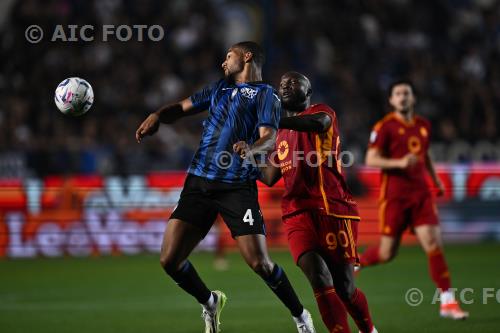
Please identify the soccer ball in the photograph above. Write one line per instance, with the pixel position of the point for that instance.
(74, 96)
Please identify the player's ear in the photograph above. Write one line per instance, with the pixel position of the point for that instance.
(309, 92)
(247, 57)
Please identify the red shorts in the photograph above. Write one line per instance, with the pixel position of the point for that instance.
(397, 214)
(334, 238)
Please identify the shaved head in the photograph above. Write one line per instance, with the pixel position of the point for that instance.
(295, 91)
(298, 76)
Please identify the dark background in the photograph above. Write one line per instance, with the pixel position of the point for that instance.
(351, 51)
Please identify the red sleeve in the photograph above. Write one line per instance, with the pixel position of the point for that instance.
(379, 137)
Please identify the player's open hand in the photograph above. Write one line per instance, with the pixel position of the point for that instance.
(408, 161)
(148, 127)
(242, 149)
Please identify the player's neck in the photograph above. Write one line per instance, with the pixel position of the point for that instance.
(405, 116)
(296, 112)
(249, 74)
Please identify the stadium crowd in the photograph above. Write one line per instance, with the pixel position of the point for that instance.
(351, 51)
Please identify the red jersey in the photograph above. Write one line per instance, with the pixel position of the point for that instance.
(311, 170)
(395, 138)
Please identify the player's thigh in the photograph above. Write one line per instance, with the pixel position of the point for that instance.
(195, 205)
(424, 212)
(302, 234)
(240, 210)
(429, 237)
(393, 217)
(179, 240)
(337, 239)
(315, 269)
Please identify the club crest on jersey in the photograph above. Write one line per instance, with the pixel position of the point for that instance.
(283, 150)
(414, 144)
(248, 92)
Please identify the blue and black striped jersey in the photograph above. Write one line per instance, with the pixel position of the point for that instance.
(235, 113)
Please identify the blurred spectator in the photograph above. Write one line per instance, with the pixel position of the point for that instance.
(351, 50)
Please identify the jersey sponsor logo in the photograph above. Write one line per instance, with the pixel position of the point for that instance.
(414, 144)
(283, 150)
(373, 136)
(248, 92)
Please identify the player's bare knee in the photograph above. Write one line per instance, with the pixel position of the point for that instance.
(262, 267)
(169, 264)
(432, 246)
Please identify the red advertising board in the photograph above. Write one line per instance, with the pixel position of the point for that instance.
(94, 215)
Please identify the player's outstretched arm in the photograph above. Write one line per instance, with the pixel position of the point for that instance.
(429, 165)
(166, 114)
(375, 159)
(319, 122)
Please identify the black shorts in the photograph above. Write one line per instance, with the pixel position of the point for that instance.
(202, 199)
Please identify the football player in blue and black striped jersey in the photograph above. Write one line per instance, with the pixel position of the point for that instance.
(240, 108)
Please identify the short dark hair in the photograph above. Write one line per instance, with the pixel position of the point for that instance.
(400, 82)
(254, 48)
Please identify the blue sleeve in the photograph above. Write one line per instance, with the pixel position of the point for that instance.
(268, 108)
(201, 99)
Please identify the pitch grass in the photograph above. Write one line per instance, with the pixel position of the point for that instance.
(132, 294)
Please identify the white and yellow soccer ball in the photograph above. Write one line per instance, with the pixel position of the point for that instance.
(74, 96)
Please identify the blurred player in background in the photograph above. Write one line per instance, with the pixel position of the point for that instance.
(399, 145)
(319, 215)
(240, 107)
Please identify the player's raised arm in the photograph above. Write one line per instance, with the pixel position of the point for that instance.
(166, 114)
(318, 122)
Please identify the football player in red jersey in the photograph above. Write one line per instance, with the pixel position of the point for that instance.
(399, 145)
(319, 215)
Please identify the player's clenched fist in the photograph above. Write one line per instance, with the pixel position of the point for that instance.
(408, 161)
(241, 148)
(148, 127)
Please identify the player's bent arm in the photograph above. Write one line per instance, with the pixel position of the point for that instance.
(265, 143)
(375, 159)
(270, 175)
(430, 168)
(319, 122)
(261, 147)
(429, 165)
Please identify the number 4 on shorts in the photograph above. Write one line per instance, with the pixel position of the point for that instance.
(248, 217)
